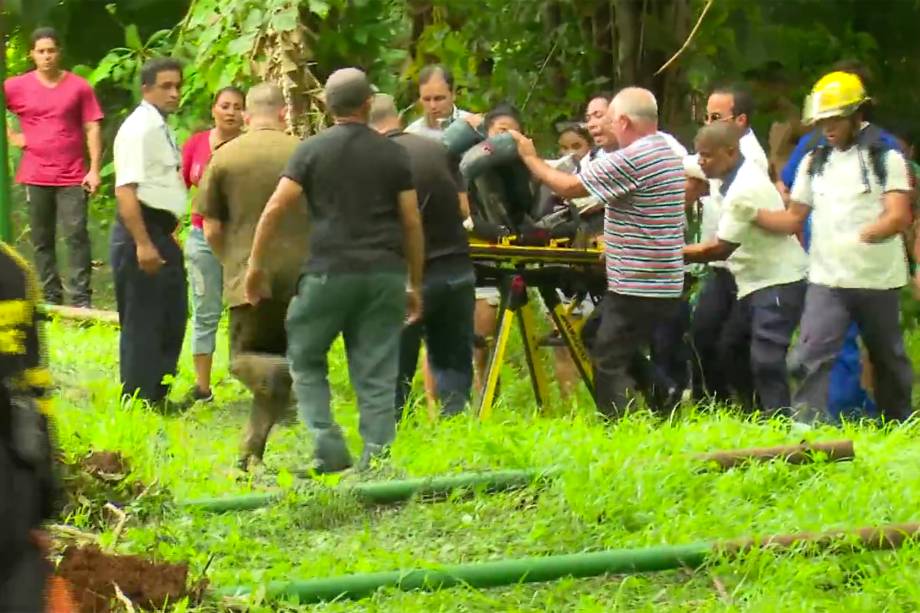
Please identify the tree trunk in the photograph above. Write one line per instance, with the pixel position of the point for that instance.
(627, 24)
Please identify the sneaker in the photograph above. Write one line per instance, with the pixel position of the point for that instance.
(196, 396)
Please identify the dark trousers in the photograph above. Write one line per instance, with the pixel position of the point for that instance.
(152, 309)
(623, 337)
(46, 205)
(713, 308)
(670, 350)
(447, 327)
(755, 343)
(827, 316)
(23, 570)
(258, 343)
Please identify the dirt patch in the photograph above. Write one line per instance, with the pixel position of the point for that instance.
(106, 465)
(92, 576)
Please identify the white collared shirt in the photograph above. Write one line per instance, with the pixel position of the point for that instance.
(762, 259)
(421, 128)
(147, 155)
(842, 205)
(751, 150)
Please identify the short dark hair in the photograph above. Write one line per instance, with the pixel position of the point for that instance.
(606, 96)
(155, 66)
(502, 110)
(230, 89)
(742, 100)
(42, 34)
(436, 70)
(579, 130)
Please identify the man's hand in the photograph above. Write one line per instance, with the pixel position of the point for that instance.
(475, 120)
(413, 306)
(870, 234)
(91, 181)
(917, 284)
(525, 146)
(255, 287)
(148, 259)
(17, 139)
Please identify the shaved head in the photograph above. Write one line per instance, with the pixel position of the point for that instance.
(717, 147)
(264, 99)
(636, 103)
(719, 134)
(383, 107)
(633, 114)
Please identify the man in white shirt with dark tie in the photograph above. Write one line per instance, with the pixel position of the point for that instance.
(147, 263)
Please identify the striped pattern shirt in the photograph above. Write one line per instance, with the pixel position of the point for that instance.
(642, 186)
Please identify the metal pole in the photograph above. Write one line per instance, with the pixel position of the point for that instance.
(6, 223)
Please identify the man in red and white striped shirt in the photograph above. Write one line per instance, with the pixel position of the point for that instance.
(642, 187)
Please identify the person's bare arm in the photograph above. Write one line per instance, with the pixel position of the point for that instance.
(788, 221)
(562, 183)
(286, 197)
(413, 248)
(129, 210)
(93, 131)
(895, 218)
(214, 234)
(710, 251)
(464, 205)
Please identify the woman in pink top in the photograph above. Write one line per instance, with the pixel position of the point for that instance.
(204, 270)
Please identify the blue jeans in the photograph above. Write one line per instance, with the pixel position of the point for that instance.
(449, 298)
(206, 279)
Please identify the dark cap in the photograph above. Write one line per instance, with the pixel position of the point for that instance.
(347, 89)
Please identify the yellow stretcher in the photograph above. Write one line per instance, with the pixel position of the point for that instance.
(515, 268)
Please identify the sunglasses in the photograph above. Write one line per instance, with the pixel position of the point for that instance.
(711, 117)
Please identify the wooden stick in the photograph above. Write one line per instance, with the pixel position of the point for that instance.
(119, 527)
(686, 42)
(793, 454)
(78, 314)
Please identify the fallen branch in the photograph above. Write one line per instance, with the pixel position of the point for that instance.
(129, 606)
(119, 527)
(94, 316)
(73, 533)
(686, 42)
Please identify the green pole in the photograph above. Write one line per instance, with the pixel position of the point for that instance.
(489, 574)
(6, 224)
(389, 492)
(549, 568)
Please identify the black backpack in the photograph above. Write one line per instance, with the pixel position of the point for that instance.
(869, 140)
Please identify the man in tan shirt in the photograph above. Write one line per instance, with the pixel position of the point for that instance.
(240, 179)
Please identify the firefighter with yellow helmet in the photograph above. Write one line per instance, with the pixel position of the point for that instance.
(858, 190)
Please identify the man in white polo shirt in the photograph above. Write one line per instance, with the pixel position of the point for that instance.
(859, 195)
(769, 270)
(147, 263)
(732, 105)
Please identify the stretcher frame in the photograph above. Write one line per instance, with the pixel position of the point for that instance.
(514, 269)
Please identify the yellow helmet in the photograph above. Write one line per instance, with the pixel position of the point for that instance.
(838, 94)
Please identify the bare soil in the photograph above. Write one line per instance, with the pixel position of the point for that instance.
(92, 576)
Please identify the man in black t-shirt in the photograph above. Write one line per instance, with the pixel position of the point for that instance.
(364, 230)
(449, 283)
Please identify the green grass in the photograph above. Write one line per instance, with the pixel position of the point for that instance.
(625, 485)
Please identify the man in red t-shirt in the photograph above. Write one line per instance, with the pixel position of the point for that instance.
(59, 115)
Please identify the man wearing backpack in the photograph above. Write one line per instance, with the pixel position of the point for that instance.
(859, 193)
(847, 397)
